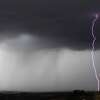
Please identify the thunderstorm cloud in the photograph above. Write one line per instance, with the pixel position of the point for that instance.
(45, 45)
(66, 23)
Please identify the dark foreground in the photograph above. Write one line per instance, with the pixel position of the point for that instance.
(74, 95)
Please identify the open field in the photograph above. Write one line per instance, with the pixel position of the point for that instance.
(74, 95)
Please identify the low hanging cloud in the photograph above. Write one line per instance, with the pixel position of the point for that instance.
(43, 69)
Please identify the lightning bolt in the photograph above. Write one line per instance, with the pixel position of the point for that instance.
(93, 51)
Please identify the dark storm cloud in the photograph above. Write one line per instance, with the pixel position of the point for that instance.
(65, 22)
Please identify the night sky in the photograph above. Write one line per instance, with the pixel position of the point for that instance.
(45, 45)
